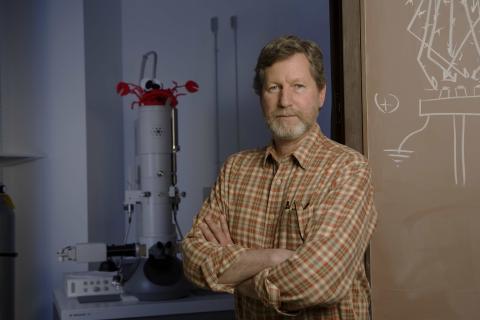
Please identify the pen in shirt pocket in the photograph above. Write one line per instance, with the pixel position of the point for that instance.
(292, 205)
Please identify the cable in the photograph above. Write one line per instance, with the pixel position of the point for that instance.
(130, 209)
(179, 231)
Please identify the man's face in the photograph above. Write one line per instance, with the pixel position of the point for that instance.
(290, 97)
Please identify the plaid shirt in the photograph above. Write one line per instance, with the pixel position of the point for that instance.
(318, 202)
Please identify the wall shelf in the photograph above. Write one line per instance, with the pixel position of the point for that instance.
(12, 159)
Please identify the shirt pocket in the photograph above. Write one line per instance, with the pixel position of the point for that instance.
(291, 227)
(304, 214)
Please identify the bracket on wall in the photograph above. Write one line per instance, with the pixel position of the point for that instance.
(13, 159)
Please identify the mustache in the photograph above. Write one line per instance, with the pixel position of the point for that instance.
(282, 113)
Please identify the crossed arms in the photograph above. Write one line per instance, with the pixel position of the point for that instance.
(248, 264)
(320, 271)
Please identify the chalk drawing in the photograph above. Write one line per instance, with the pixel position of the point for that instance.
(388, 104)
(399, 154)
(449, 56)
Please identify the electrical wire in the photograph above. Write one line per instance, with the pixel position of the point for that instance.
(128, 228)
(130, 209)
(177, 225)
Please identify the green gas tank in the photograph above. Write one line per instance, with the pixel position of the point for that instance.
(7, 255)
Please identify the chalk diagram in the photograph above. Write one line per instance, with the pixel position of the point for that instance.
(387, 103)
(449, 56)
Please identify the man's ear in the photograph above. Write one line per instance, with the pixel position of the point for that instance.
(321, 97)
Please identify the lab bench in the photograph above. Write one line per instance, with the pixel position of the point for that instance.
(198, 305)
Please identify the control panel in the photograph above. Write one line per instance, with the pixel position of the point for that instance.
(91, 283)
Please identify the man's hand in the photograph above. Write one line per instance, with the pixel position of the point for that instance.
(216, 232)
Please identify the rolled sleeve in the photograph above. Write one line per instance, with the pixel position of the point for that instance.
(269, 293)
(204, 263)
(322, 270)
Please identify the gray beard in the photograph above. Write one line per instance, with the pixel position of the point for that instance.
(287, 133)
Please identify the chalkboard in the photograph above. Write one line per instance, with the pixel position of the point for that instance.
(421, 88)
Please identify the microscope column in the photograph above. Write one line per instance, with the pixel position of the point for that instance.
(154, 156)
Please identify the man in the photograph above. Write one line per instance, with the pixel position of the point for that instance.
(285, 228)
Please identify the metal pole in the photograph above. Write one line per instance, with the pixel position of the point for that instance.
(234, 25)
(214, 28)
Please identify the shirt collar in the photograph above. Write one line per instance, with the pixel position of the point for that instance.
(302, 155)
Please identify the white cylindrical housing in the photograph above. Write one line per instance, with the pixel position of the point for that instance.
(154, 157)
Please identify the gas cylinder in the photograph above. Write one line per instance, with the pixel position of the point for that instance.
(7, 255)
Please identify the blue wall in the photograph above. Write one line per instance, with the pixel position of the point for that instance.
(180, 32)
